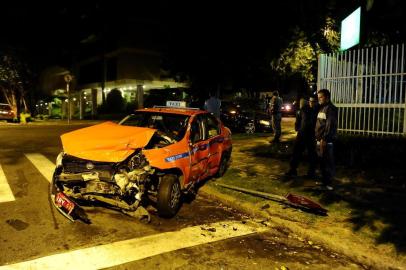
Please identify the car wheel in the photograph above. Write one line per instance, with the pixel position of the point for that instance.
(169, 194)
(223, 165)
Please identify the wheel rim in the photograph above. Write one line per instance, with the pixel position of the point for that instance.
(175, 196)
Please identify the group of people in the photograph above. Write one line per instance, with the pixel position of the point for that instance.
(316, 126)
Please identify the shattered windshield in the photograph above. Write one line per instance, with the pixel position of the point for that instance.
(173, 125)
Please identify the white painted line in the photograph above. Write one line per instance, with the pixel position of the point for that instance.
(6, 195)
(139, 248)
(45, 167)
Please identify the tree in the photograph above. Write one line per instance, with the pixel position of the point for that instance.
(14, 80)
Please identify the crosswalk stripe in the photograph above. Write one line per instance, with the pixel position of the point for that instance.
(6, 195)
(44, 165)
(121, 252)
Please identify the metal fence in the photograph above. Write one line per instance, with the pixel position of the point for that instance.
(368, 87)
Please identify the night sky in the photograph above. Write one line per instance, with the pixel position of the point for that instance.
(50, 33)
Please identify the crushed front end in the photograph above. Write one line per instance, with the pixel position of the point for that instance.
(118, 185)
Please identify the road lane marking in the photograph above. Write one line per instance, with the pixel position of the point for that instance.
(6, 195)
(44, 165)
(121, 252)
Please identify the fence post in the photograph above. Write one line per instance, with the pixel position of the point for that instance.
(319, 71)
(404, 119)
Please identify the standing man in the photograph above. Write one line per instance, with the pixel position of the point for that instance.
(326, 134)
(212, 105)
(276, 114)
(305, 140)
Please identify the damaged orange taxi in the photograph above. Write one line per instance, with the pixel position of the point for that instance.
(152, 157)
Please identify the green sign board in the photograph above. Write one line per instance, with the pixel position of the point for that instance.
(350, 30)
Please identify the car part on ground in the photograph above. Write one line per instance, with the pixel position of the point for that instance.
(292, 200)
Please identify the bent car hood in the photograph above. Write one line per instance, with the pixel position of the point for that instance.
(107, 142)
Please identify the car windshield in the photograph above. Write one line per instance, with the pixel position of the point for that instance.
(173, 125)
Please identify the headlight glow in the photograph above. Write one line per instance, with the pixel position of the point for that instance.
(264, 122)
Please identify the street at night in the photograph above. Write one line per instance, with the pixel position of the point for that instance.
(205, 233)
(203, 135)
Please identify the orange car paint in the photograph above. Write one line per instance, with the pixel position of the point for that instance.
(111, 142)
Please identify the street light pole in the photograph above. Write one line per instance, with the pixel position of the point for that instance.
(68, 78)
(67, 90)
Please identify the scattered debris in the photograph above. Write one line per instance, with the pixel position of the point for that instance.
(310, 242)
(17, 224)
(211, 229)
(290, 200)
(251, 251)
(265, 206)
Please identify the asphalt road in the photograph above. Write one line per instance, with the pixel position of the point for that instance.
(204, 235)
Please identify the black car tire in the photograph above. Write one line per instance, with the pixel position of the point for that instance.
(223, 166)
(169, 194)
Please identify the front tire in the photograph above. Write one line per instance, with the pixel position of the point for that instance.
(169, 194)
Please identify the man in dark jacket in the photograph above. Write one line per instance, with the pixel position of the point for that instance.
(326, 133)
(305, 139)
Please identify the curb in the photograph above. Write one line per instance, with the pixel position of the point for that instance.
(365, 259)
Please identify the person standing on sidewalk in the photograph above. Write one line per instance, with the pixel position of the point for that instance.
(326, 134)
(305, 139)
(213, 105)
(276, 114)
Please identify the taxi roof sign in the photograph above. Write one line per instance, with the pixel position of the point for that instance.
(176, 104)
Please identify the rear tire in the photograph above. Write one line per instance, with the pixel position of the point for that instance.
(169, 194)
(223, 166)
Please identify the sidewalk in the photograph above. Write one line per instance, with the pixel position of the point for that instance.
(366, 221)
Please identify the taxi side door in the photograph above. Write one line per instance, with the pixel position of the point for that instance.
(215, 141)
(199, 149)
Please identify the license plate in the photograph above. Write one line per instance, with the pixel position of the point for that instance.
(63, 202)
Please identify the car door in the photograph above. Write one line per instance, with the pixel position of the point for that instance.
(198, 149)
(215, 140)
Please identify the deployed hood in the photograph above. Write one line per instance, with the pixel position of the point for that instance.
(108, 142)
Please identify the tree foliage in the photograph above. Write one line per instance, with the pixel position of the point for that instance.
(14, 79)
(301, 54)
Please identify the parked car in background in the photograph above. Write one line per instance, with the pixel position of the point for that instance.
(243, 118)
(6, 112)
